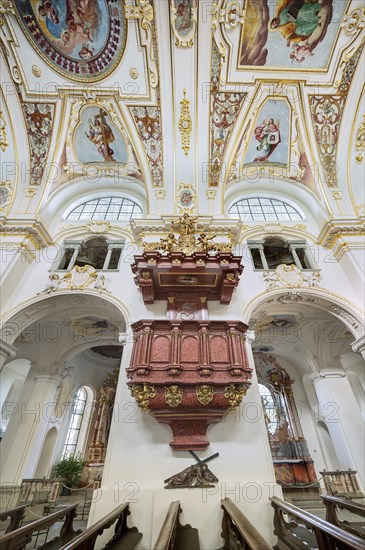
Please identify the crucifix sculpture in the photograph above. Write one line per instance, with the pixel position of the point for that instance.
(196, 475)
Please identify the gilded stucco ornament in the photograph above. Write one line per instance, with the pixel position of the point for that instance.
(144, 13)
(3, 138)
(187, 242)
(234, 394)
(231, 15)
(6, 193)
(133, 73)
(354, 22)
(173, 395)
(360, 141)
(36, 71)
(143, 394)
(97, 227)
(204, 394)
(185, 124)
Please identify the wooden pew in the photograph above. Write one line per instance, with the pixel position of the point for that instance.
(18, 539)
(16, 516)
(173, 535)
(304, 530)
(124, 538)
(332, 503)
(238, 532)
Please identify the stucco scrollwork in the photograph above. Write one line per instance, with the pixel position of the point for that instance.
(290, 276)
(354, 22)
(78, 278)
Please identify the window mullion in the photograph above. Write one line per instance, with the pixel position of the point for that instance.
(74, 256)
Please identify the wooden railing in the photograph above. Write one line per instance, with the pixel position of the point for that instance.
(341, 483)
(332, 503)
(18, 539)
(126, 538)
(237, 532)
(36, 490)
(16, 516)
(304, 530)
(173, 534)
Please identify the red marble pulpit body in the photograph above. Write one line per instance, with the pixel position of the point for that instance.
(188, 374)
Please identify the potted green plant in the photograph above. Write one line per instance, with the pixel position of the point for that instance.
(70, 470)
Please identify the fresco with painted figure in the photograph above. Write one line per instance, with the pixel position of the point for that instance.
(183, 21)
(79, 37)
(98, 140)
(269, 140)
(290, 33)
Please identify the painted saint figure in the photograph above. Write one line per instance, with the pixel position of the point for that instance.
(303, 24)
(101, 134)
(183, 17)
(268, 136)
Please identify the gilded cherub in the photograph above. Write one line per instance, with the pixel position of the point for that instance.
(186, 224)
(203, 242)
(169, 243)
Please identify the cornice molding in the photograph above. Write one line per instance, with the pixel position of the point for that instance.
(336, 228)
(31, 228)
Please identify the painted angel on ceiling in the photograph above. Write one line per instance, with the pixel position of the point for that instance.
(303, 24)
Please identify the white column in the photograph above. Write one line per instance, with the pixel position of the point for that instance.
(27, 428)
(359, 346)
(7, 351)
(16, 254)
(339, 410)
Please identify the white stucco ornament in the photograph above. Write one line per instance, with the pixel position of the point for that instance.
(290, 276)
(76, 279)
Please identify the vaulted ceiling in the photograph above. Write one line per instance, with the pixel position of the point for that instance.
(184, 105)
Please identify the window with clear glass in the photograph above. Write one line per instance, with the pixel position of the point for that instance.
(270, 410)
(75, 423)
(106, 208)
(274, 251)
(263, 208)
(97, 252)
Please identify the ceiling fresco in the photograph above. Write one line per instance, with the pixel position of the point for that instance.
(82, 39)
(100, 94)
(289, 33)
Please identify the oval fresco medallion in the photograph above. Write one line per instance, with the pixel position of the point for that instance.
(82, 39)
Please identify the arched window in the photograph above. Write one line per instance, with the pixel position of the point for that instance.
(270, 410)
(74, 428)
(263, 208)
(106, 208)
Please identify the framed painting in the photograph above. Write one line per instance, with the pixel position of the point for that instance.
(81, 39)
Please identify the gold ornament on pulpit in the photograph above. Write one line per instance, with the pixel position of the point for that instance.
(187, 242)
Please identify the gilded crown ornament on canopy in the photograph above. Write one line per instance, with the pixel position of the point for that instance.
(185, 261)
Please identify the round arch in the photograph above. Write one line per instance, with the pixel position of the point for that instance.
(332, 303)
(78, 190)
(292, 192)
(38, 307)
